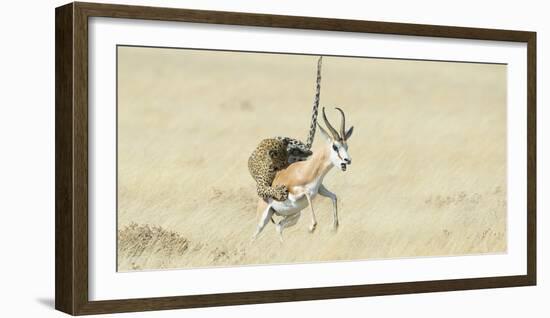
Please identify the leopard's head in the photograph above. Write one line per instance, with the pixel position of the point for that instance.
(279, 156)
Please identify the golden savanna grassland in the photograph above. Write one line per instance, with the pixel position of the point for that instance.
(429, 157)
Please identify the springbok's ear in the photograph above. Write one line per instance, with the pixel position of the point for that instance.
(324, 132)
(348, 133)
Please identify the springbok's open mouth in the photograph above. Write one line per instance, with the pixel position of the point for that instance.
(343, 166)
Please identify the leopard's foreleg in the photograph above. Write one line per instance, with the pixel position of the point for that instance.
(279, 193)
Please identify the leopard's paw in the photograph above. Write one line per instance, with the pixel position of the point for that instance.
(281, 193)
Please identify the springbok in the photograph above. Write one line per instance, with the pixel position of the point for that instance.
(304, 180)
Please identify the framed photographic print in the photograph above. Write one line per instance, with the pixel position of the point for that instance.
(211, 158)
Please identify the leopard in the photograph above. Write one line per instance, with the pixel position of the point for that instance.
(270, 156)
(274, 154)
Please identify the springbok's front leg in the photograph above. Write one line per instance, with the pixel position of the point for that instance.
(313, 220)
(264, 219)
(326, 193)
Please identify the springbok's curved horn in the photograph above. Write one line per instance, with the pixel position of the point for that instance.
(330, 128)
(343, 125)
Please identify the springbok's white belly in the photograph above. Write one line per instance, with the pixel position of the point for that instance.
(296, 202)
(290, 206)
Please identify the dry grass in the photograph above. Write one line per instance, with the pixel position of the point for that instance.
(429, 157)
(151, 247)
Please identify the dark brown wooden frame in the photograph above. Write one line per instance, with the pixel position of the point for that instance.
(71, 158)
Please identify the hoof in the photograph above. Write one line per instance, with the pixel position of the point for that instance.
(312, 227)
(255, 235)
(280, 232)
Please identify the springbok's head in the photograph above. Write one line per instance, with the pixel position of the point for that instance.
(337, 141)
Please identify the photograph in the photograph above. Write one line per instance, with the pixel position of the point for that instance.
(237, 158)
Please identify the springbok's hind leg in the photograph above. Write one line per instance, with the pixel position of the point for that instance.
(326, 193)
(264, 219)
(287, 221)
